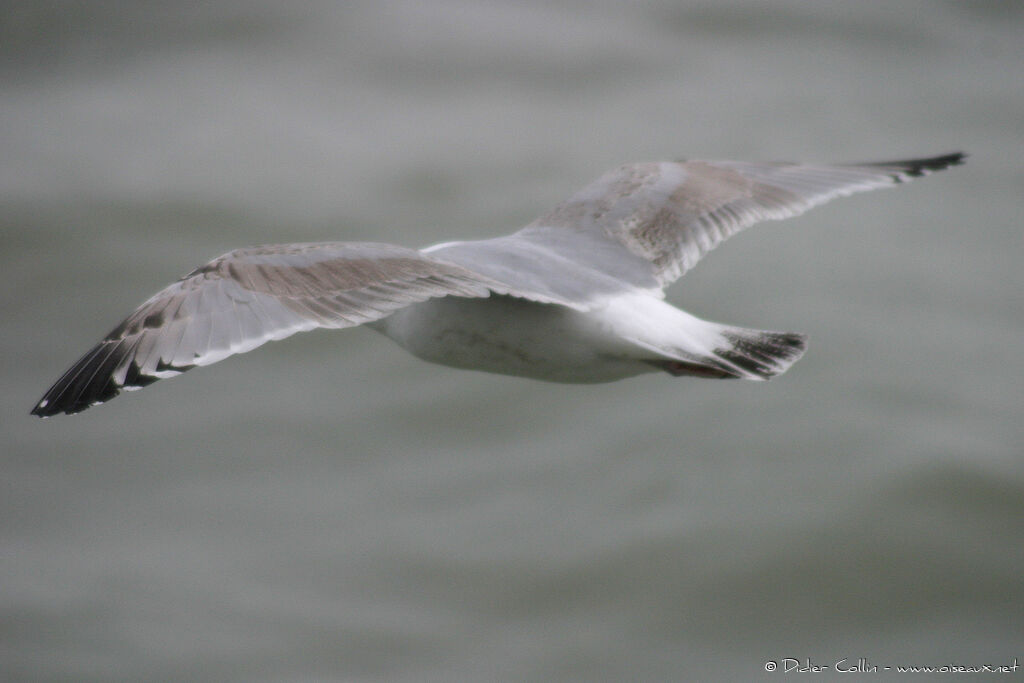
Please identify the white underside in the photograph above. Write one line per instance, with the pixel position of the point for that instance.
(513, 336)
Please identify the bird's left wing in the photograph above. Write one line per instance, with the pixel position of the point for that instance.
(662, 218)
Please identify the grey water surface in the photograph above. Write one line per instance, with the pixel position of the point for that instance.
(328, 508)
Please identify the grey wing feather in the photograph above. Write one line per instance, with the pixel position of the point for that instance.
(669, 215)
(569, 268)
(248, 297)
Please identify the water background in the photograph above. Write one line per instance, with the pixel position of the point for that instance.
(329, 508)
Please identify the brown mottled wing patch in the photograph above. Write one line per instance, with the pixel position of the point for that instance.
(248, 297)
(671, 214)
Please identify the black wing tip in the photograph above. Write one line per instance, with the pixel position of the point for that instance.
(915, 168)
(60, 400)
(91, 381)
(69, 396)
(46, 408)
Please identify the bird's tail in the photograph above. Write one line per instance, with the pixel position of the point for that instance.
(680, 343)
(759, 354)
(736, 353)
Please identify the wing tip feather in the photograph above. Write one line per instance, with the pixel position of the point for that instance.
(906, 169)
(93, 380)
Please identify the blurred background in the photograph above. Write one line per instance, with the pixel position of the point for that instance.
(329, 508)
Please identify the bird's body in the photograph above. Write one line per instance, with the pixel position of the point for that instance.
(576, 296)
(511, 336)
(628, 335)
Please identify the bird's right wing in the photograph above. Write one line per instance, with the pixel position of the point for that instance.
(250, 296)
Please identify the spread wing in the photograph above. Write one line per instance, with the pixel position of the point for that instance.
(251, 296)
(667, 216)
(638, 227)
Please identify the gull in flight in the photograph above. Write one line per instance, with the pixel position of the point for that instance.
(576, 296)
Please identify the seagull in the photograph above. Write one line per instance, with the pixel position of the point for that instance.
(577, 296)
